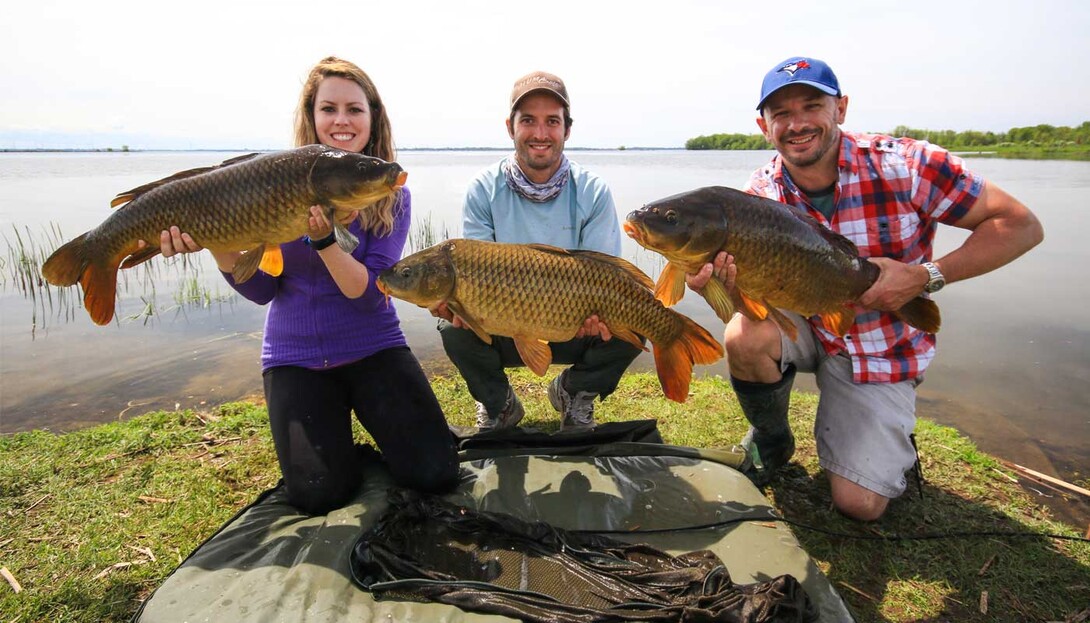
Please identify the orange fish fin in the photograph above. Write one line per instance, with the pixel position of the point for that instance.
(272, 261)
(629, 336)
(671, 285)
(469, 320)
(674, 361)
(141, 256)
(129, 195)
(921, 313)
(838, 322)
(248, 263)
(66, 265)
(99, 283)
(750, 307)
(535, 354)
(784, 323)
(715, 293)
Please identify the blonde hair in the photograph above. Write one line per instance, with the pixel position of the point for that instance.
(380, 218)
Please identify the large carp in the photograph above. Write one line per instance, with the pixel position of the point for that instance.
(251, 203)
(786, 259)
(537, 294)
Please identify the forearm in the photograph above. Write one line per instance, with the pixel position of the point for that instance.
(994, 242)
(350, 275)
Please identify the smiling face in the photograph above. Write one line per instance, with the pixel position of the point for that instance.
(802, 123)
(342, 116)
(539, 132)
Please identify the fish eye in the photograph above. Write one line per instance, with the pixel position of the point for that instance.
(406, 271)
(671, 217)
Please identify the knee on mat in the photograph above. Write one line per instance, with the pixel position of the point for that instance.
(320, 498)
(430, 478)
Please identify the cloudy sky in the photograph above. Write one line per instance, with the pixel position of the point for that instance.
(203, 74)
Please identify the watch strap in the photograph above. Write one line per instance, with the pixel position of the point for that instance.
(321, 243)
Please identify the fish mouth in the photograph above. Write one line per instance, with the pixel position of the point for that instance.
(633, 232)
(400, 181)
(381, 286)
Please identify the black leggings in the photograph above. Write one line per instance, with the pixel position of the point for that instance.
(312, 430)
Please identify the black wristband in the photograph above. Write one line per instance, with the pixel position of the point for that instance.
(322, 243)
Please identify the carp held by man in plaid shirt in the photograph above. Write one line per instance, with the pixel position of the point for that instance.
(785, 259)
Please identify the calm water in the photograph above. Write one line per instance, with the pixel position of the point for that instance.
(1014, 354)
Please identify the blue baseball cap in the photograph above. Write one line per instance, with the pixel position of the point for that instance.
(799, 70)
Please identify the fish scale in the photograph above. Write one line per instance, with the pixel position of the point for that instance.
(251, 203)
(784, 259)
(536, 293)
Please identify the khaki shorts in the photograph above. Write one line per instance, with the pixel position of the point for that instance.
(862, 429)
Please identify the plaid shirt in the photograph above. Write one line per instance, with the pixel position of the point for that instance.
(890, 197)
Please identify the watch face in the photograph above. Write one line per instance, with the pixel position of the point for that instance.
(936, 280)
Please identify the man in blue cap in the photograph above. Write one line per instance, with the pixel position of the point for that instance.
(887, 195)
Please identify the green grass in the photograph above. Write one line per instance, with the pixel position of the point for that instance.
(92, 521)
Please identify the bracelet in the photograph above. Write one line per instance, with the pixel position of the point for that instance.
(321, 243)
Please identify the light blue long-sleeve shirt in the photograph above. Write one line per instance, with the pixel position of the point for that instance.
(582, 216)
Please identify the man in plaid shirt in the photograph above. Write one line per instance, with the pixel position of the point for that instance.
(887, 195)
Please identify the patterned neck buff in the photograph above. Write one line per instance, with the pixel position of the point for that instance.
(538, 193)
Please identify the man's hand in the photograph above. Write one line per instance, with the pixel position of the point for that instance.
(897, 284)
(721, 268)
(593, 327)
(440, 310)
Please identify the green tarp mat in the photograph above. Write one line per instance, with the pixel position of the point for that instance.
(271, 563)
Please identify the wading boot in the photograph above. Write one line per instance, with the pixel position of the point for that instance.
(769, 441)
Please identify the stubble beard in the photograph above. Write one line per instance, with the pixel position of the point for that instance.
(830, 140)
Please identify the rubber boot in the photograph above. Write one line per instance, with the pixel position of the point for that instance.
(769, 441)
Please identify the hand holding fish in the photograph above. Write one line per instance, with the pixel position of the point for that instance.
(441, 310)
(721, 268)
(897, 284)
(594, 327)
(319, 226)
(174, 241)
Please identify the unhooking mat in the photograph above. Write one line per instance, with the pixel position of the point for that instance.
(271, 563)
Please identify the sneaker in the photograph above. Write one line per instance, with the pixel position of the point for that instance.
(577, 412)
(508, 418)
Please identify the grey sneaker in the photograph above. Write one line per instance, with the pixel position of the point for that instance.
(508, 418)
(577, 412)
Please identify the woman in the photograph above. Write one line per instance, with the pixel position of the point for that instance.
(332, 345)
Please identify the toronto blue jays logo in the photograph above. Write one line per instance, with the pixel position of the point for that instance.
(791, 68)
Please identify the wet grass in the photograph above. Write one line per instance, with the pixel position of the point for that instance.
(92, 521)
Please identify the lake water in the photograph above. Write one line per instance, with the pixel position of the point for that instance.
(1012, 371)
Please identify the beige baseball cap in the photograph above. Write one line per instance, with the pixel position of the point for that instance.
(539, 81)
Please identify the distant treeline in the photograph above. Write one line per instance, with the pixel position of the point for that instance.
(1028, 141)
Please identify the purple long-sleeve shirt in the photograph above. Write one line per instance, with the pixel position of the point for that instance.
(311, 323)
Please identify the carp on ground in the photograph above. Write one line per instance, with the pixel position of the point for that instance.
(537, 294)
(785, 259)
(251, 203)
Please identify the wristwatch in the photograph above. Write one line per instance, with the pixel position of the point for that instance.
(321, 243)
(935, 280)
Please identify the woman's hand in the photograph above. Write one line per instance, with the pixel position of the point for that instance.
(173, 242)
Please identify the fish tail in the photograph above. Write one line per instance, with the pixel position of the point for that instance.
(921, 313)
(674, 361)
(76, 261)
(65, 266)
(99, 283)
